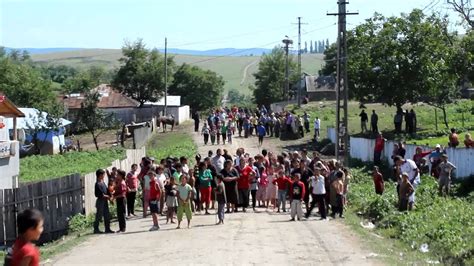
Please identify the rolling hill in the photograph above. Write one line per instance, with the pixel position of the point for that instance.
(236, 70)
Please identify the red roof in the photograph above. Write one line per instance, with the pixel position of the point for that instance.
(109, 98)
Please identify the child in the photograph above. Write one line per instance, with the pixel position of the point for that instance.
(205, 180)
(318, 195)
(221, 198)
(132, 185)
(297, 191)
(230, 131)
(171, 202)
(154, 199)
(184, 198)
(338, 186)
(282, 183)
(218, 132)
(103, 195)
(406, 189)
(205, 133)
(30, 227)
(271, 193)
(224, 129)
(378, 181)
(213, 135)
(119, 195)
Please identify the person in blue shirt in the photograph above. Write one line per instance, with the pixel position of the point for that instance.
(261, 132)
(435, 159)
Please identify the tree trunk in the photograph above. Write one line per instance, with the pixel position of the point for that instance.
(94, 138)
(445, 118)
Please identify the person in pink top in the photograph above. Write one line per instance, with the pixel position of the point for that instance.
(132, 186)
(262, 182)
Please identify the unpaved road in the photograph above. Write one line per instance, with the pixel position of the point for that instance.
(264, 237)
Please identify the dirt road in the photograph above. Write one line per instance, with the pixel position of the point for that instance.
(263, 237)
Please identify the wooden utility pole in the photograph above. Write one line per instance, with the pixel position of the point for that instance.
(342, 93)
(300, 85)
(287, 43)
(166, 77)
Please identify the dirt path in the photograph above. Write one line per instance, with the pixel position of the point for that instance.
(244, 74)
(263, 237)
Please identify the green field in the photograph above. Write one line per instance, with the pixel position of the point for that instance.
(236, 70)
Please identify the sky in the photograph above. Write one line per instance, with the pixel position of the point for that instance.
(188, 24)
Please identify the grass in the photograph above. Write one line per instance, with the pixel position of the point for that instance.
(427, 130)
(44, 167)
(174, 144)
(231, 68)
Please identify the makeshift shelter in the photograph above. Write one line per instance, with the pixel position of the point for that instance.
(9, 148)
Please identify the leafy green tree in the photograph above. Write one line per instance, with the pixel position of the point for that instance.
(270, 77)
(198, 88)
(49, 120)
(93, 119)
(141, 75)
(85, 80)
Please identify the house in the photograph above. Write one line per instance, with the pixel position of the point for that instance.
(9, 147)
(33, 129)
(319, 88)
(124, 108)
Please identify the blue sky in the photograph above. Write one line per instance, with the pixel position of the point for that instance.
(188, 24)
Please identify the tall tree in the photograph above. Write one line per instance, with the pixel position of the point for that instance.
(270, 77)
(200, 89)
(465, 10)
(310, 47)
(141, 75)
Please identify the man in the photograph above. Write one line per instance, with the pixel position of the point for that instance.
(409, 166)
(184, 204)
(374, 120)
(317, 126)
(218, 161)
(445, 170)
(196, 121)
(435, 159)
(306, 121)
(297, 193)
(318, 193)
(102, 194)
(364, 118)
(378, 149)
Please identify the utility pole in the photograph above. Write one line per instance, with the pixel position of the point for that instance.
(300, 84)
(342, 86)
(287, 43)
(166, 77)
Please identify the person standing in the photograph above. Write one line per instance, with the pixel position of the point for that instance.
(231, 175)
(378, 148)
(374, 120)
(409, 167)
(318, 193)
(154, 201)
(205, 131)
(297, 192)
(282, 183)
(378, 181)
(221, 198)
(364, 118)
(405, 192)
(445, 170)
(119, 196)
(132, 186)
(317, 126)
(246, 173)
(261, 133)
(171, 191)
(435, 159)
(196, 121)
(102, 203)
(306, 117)
(205, 179)
(30, 227)
(338, 187)
(184, 201)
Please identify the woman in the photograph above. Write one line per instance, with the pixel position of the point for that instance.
(132, 186)
(230, 175)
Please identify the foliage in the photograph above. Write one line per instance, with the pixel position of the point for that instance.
(93, 119)
(80, 222)
(198, 88)
(36, 167)
(237, 98)
(85, 80)
(142, 73)
(49, 120)
(24, 84)
(270, 77)
(59, 73)
(446, 225)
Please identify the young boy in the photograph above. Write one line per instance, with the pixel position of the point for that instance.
(445, 170)
(338, 186)
(30, 227)
(154, 199)
(221, 198)
(406, 189)
(184, 204)
(318, 194)
(119, 195)
(378, 181)
(282, 182)
(297, 191)
(103, 196)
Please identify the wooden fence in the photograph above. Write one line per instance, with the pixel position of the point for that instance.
(58, 199)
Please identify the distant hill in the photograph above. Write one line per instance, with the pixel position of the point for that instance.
(213, 52)
(236, 70)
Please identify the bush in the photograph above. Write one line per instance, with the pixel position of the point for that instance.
(80, 222)
(444, 224)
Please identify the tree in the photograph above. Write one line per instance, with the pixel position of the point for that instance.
(465, 10)
(141, 75)
(198, 88)
(310, 47)
(270, 77)
(93, 119)
(47, 121)
(305, 47)
(85, 80)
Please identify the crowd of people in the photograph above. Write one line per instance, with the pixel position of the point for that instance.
(223, 123)
(236, 183)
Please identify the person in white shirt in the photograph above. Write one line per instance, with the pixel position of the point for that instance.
(184, 162)
(318, 193)
(218, 161)
(317, 126)
(409, 166)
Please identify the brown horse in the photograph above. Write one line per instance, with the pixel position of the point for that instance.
(167, 120)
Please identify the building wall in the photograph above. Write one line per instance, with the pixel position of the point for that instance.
(10, 167)
(322, 95)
